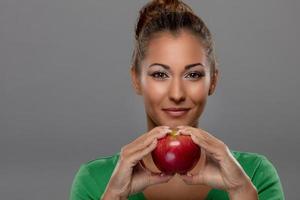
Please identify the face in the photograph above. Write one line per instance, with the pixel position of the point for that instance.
(174, 75)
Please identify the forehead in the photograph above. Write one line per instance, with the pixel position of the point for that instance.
(182, 48)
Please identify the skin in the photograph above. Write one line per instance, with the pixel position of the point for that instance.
(176, 87)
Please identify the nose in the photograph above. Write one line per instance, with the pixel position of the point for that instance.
(176, 91)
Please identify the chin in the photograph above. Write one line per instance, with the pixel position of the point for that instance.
(162, 120)
(174, 123)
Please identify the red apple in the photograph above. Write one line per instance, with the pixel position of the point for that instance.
(176, 153)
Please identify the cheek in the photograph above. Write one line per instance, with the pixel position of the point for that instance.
(154, 91)
(198, 95)
(197, 92)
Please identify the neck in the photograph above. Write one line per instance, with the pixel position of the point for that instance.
(150, 123)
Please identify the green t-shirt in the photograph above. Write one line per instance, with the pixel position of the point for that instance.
(92, 177)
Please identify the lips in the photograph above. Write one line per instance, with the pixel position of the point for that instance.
(176, 112)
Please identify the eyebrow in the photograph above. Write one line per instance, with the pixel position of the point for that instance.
(186, 67)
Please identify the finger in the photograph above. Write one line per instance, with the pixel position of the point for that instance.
(143, 167)
(159, 178)
(157, 128)
(145, 135)
(147, 139)
(181, 127)
(198, 139)
(152, 133)
(138, 155)
(157, 134)
(205, 140)
(191, 179)
(199, 132)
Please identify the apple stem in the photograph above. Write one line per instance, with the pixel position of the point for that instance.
(173, 133)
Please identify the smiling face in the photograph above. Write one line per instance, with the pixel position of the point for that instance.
(175, 73)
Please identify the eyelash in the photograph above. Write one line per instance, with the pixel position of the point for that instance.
(199, 74)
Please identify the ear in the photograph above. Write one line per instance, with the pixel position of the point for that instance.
(135, 80)
(214, 82)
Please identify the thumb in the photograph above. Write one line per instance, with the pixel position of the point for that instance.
(159, 178)
(191, 179)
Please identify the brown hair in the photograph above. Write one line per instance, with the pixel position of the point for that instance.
(169, 15)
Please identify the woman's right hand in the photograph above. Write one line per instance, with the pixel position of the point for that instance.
(128, 176)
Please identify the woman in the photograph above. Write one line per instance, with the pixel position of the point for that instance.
(174, 70)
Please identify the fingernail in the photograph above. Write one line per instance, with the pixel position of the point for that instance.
(183, 132)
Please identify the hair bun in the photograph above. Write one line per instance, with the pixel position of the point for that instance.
(171, 5)
(167, 4)
(155, 8)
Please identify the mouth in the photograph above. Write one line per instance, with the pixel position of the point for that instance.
(176, 112)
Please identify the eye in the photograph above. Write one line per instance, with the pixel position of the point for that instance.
(159, 75)
(196, 75)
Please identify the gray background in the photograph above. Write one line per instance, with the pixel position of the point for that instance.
(66, 96)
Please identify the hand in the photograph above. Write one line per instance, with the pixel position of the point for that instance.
(129, 176)
(221, 170)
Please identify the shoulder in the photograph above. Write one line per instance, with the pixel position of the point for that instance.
(100, 169)
(92, 177)
(248, 160)
(252, 162)
(244, 155)
(102, 164)
(262, 173)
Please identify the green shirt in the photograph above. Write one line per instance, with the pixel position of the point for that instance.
(92, 177)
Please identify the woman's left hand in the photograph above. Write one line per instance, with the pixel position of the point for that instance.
(221, 170)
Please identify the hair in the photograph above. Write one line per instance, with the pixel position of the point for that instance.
(169, 15)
